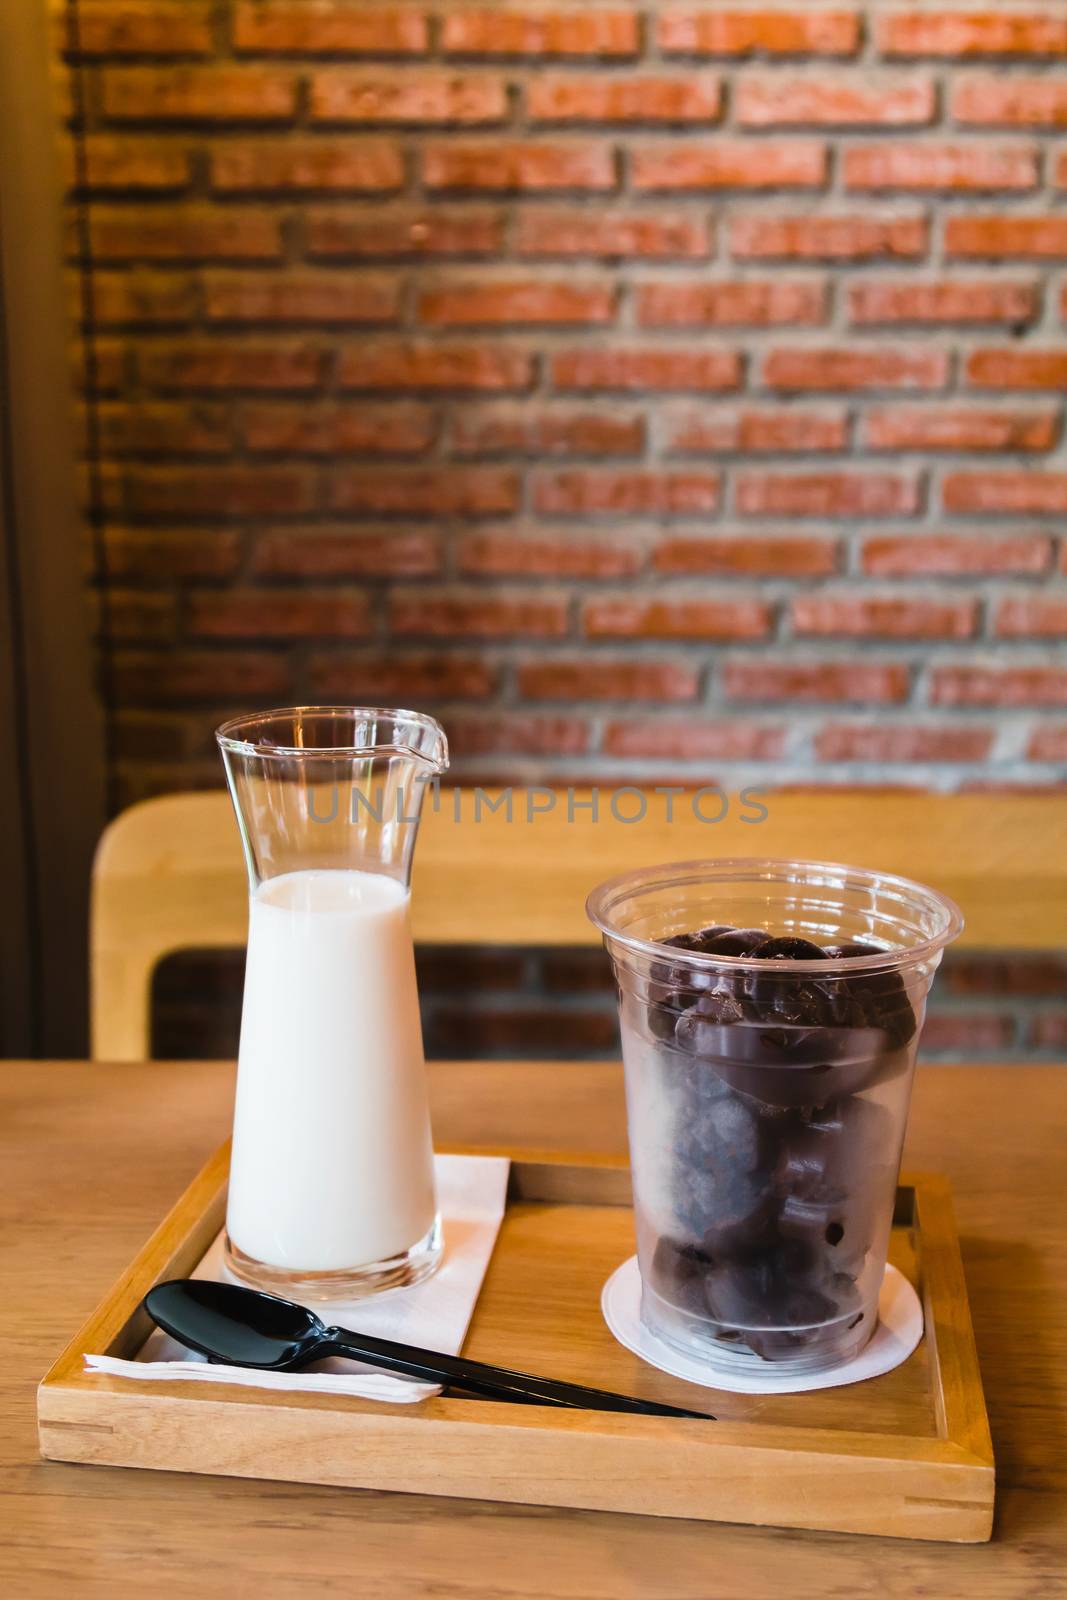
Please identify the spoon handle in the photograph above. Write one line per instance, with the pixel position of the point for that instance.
(495, 1383)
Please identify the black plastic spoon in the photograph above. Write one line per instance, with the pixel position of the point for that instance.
(244, 1328)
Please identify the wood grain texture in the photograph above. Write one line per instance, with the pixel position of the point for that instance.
(894, 1464)
(90, 1158)
(169, 873)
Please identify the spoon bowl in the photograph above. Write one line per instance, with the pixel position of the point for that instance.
(236, 1325)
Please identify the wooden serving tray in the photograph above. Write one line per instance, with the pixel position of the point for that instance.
(907, 1454)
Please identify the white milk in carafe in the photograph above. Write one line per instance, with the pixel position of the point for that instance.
(332, 1157)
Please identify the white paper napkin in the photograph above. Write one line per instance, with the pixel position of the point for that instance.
(900, 1327)
(435, 1314)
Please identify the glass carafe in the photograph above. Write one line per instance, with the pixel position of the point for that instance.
(331, 1180)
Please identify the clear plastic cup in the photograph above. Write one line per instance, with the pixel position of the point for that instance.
(767, 1098)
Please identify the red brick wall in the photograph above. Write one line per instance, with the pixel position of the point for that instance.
(670, 389)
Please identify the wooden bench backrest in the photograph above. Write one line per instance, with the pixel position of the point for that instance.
(169, 875)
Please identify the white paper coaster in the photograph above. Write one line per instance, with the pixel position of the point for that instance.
(435, 1313)
(900, 1327)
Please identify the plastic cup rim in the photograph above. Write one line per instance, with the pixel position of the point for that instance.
(664, 875)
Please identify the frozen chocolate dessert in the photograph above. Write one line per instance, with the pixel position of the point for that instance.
(766, 1109)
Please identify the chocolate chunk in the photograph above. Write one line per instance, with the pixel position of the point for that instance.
(723, 1151)
(662, 1019)
(882, 996)
(885, 1001)
(791, 1066)
(791, 949)
(743, 1229)
(845, 1009)
(699, 1024)
(764, 1291)
(814, 1216)
(700, 1081)
(677, 1272)
(793, 1004)
(673, 988)
(834, 1169)
(735, 942)
(721, 1134)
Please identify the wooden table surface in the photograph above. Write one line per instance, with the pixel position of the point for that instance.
(90, 1158)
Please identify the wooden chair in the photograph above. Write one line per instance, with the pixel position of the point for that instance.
(168, 874)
